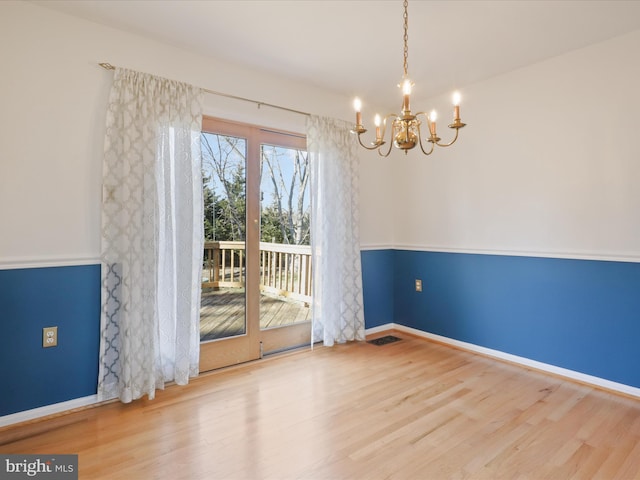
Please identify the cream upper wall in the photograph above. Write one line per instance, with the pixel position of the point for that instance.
(54, 99)
(549, 164)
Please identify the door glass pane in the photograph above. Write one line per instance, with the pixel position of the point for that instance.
(223, 308)
(285, 251)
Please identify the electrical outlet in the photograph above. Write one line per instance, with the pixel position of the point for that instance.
(418, 285)
(49, 337)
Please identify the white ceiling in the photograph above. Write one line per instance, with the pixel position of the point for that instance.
(355, 47)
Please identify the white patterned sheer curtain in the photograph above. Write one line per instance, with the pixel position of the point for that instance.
(337, 314)
(152, 236)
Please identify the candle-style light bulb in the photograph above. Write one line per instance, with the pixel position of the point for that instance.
(456, 106)
(433, 116)
(406, 87)
(406, 91)
(357, 105)
(376, 121)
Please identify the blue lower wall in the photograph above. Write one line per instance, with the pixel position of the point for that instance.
(577, 314)
(30, 299)
(377, 270)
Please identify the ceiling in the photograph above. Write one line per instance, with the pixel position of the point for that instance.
(355, 46)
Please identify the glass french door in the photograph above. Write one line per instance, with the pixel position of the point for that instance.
(256, 285)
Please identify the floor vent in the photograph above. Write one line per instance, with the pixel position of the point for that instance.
(384, 340)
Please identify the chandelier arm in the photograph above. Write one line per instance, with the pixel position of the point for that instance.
(373, 147)
(384, 133)
(451, 142)
(420, 134)
(388, 116)
(457, 129)
(420, 141)
(426, 115)
(388, 150)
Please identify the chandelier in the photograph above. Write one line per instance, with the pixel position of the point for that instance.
(405, 128)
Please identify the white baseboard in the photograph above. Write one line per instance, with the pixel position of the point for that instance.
(47, 410)
(526, 362)
(382, 328)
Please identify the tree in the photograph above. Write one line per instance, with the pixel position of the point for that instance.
(285, 178)
(210, 201)
(289, 210)
(224, 158)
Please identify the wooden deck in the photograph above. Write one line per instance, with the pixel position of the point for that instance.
(222, 312)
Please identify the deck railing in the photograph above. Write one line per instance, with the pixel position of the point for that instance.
(285, 270)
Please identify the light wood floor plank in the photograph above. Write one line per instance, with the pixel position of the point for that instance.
(406, 410)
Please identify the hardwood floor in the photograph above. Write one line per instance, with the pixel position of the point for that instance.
(407, 410)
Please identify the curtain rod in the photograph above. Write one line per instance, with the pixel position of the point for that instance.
(108, 66)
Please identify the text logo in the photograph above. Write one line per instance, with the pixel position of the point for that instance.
(50, 467)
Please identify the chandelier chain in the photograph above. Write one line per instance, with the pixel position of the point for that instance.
(406, 39)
